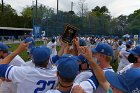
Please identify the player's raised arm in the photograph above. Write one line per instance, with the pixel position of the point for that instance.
(20, 49)
(96, 69)
(60, 52)
(63, 46)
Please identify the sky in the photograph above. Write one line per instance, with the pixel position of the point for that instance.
(116, 7)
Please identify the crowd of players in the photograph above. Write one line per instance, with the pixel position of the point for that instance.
(83, 67)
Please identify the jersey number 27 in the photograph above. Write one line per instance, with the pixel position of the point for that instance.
(44, 83)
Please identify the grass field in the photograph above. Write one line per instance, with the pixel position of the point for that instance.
(24, 54)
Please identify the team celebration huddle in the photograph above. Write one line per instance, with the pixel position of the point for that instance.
(81, 65)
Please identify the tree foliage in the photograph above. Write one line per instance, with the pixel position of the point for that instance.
(96, 21)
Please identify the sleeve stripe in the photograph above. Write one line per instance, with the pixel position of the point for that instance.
(94, 80)
(51, 61)
(92, 84)
(8, 70)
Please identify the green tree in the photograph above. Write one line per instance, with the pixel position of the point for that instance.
(99, 20)
(133, 26)
(7, 9)
(27, 12)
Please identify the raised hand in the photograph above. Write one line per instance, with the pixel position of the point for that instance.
(76, 42)
(22, 47)
(86, 52)
(64, 45)
(77, 89)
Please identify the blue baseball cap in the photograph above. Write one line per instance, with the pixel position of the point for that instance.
(128, 81)
(79, 58)
(103, 49)
(83, 59)
(71, 56)
(116, 37)
(135, 51)
(40, 54)
(3, 47)
(68, 67)
(82, 42)
(129, 43)
(30, 39)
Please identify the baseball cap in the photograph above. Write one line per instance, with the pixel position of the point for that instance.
(116, 37)
(128, 81)
(40, 54)
(82, 42)
(82, 59)
(135, 51)
(79, 58)
(30, 39)
(70, 56)
(103, 49)
(129, 43)
(68, 67)
(3, 47)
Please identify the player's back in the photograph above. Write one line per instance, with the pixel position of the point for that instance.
(33, 79)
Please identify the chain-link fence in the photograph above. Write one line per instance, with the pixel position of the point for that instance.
(52, 23)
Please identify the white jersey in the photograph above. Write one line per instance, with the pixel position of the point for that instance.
(10, 87)
(100, 89)
(89, 85)
(53, 91)
(32, 79)
(83, 76)
(126, 68)
(123, 59)
(52, 46)
(31, 64)
(17, 61)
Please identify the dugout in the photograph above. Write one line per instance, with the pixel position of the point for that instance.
(11, 31)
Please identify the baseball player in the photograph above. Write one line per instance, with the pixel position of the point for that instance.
(128, 81)
(8, 86)
(103, 53)
(124, 56)
(29, 79)
(52, 46)
(68, 69)
(104, 85)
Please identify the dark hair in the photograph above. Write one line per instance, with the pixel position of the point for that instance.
(120, 43)
(4, 51)
(53, 40)
(124, 39)
(128, 46)
(65, 79)
(41, 64)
